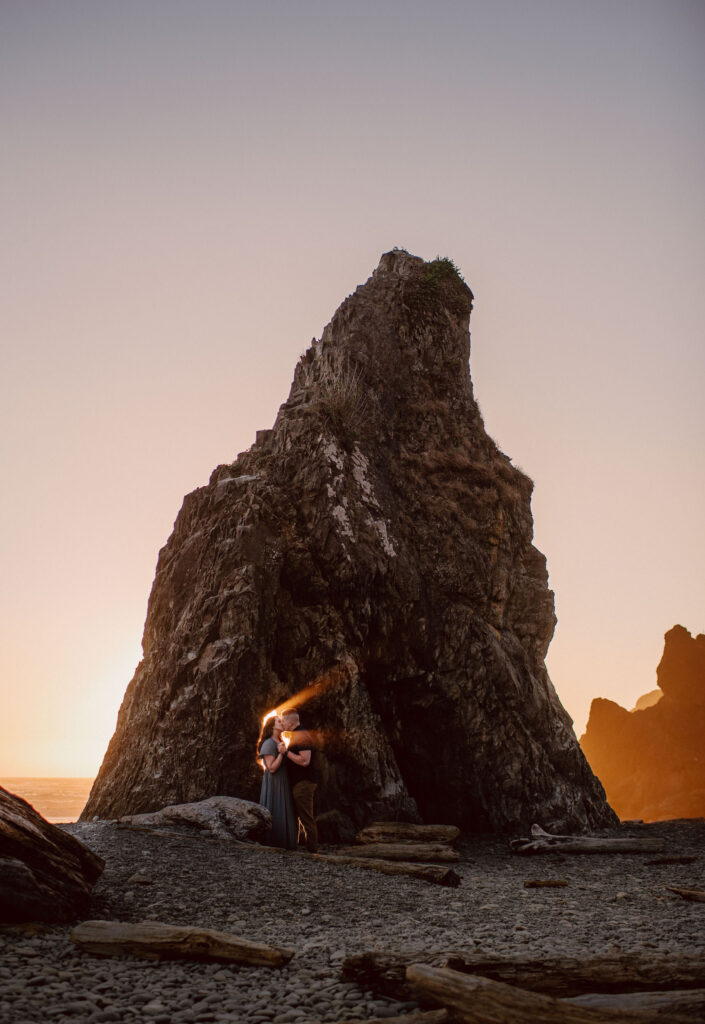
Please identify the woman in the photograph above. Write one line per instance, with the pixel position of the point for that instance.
(275, 794)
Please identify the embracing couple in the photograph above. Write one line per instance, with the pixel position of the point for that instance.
(289, 784)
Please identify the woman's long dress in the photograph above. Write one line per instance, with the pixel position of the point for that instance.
(275, 795)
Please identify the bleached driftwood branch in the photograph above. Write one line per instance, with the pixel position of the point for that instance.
(544, 842)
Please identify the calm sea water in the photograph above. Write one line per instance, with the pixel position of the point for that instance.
(56, 799)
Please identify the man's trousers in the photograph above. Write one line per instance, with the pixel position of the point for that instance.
(303, 793)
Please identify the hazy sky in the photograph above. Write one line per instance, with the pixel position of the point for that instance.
(189, 191)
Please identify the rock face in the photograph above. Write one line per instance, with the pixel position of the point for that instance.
(45, 874)
(224, 816)
(369, 559)
(652, 760)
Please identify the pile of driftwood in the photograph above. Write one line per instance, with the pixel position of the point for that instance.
(557, 990)
(401, 848)
(393, 848)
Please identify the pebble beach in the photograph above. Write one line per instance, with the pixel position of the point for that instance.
(327, 912)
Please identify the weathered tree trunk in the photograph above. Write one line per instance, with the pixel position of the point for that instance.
(687, 1002)
(157, 941)
(476, 1000)
(423, 872)
(404, 851)
(544, 842)
(557, 976)
(405, 831)
(695, 895)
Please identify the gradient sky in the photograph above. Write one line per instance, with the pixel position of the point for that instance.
(190, 189)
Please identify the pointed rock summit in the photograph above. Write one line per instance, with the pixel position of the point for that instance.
(369, 560)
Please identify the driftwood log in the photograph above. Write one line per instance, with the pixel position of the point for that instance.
(544, 842)
(433, 873)
(404, 851)
(157, 941)
(687, 1002)
(407, 832)
(476, 1000)
(695, 895)
(385, 973)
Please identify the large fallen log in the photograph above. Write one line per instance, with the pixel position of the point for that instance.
(404, 851)
(687, 1002)
(544, 842)
(157, 941)
(695, 895)
(475, 1000)
(385, 973)
(407, 832)
(432, 873)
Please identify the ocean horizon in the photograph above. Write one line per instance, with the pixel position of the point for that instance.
(58, 799)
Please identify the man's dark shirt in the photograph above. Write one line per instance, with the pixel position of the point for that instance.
(301, 740)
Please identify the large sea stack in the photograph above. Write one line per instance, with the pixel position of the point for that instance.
(373, 550)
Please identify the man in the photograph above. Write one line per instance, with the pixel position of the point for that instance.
(301, 774)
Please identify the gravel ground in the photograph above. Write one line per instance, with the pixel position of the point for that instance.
(327, 912)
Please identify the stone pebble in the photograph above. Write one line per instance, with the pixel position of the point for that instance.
(327, 912)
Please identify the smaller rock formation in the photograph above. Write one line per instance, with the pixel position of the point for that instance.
(227, 817)
(45, 874)
(651, 760)
(647, 700)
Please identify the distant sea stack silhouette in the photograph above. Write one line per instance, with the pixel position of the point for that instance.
(651, 760)
(372, 550)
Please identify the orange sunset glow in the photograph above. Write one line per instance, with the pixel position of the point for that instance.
(189, 192)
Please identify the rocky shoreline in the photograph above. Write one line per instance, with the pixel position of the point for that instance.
(327, 912)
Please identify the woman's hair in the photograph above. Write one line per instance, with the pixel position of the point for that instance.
(265, 733)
